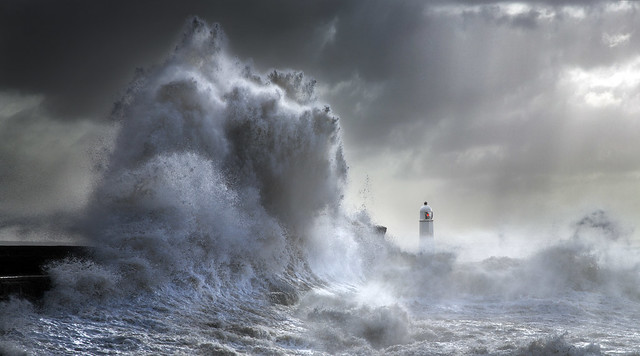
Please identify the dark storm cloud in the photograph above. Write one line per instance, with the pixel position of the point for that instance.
(81, 54)
(77, 54)
(416, 64)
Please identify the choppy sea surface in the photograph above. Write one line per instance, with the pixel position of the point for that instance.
(218, 228)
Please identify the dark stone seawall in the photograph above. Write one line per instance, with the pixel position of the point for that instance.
(22, 270)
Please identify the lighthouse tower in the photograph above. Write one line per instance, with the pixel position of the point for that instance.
(426, 227)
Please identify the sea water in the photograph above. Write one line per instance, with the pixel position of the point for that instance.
(218, 228)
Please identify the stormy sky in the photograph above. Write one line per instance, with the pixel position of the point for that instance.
(500, 114)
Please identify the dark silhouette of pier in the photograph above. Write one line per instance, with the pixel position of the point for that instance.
(23, 267)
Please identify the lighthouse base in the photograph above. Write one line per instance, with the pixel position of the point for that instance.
(426, 242)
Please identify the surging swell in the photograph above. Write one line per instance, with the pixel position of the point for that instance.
(217, 176)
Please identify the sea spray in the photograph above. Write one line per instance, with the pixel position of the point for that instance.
(218, 172)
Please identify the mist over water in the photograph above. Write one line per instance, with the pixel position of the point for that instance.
(218, 227)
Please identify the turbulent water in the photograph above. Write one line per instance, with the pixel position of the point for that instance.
(218, 228)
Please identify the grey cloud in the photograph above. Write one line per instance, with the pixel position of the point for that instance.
(45, 165)
(77, 54)
(463, 71)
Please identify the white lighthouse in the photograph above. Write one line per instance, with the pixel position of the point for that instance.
(426, 227)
